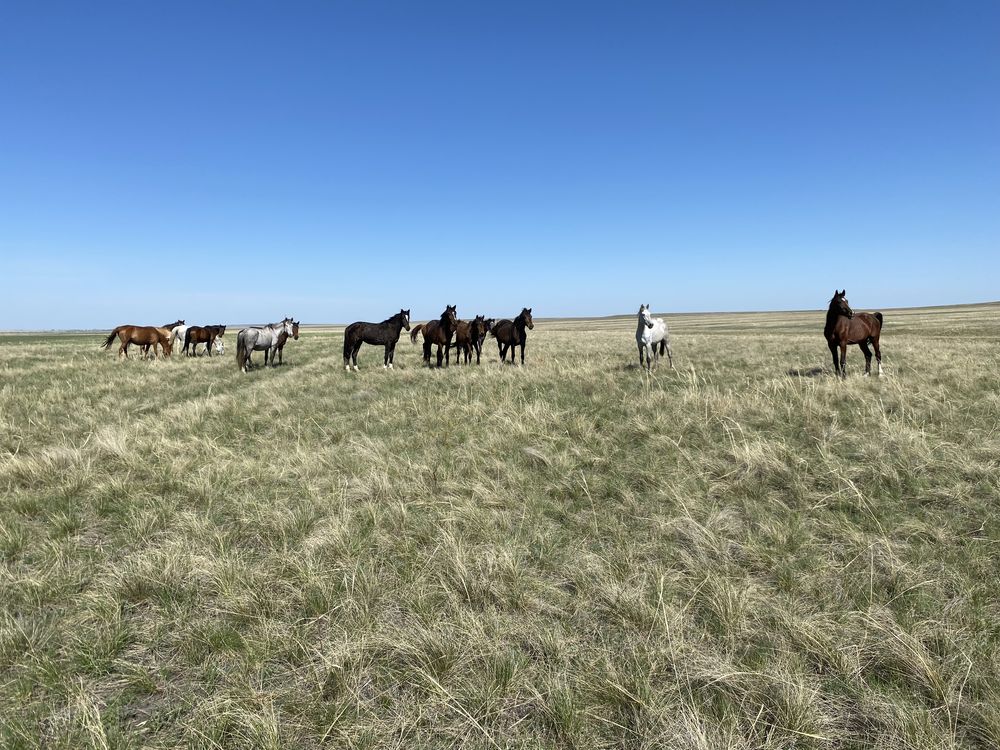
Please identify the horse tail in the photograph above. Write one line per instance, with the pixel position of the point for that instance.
(111, 337)
(878, 317)
(413, 334)
(241, 351)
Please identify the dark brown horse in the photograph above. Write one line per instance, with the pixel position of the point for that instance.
(202, 335)
(844, 327)
(438, 332)
(385, 333)
(283, 337)
(142, 336)
(511, 333)
(469, 336)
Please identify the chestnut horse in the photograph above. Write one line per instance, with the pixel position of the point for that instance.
(510, 334)
(844, 327)
(469, 336)
(141, 336)
(438, 332)
(169, 327)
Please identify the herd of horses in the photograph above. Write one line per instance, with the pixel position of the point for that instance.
(446, 333)
(843, 327)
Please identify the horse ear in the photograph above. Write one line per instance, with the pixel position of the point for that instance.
(529, 309)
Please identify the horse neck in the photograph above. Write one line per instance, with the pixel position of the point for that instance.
(832, 316)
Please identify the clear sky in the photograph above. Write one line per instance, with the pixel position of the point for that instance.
(243, 161)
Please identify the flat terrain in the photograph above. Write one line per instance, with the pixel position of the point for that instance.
(743, 552)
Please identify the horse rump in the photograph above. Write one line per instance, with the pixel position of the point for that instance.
(241, 350)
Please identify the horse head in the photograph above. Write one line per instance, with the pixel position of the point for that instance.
(405, 314)
(840, 305)
(450, 315)
(526, 317)
(644, 316)
(295, 330)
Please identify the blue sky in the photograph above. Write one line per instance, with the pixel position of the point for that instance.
(242, 161)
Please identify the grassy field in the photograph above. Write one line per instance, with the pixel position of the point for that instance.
(744, 552)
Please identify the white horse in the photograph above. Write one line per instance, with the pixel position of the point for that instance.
(263, 339)
(651, 334)
(177, 336)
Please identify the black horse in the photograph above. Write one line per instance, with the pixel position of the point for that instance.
(438, 332)
(385, 333)
(510, 334)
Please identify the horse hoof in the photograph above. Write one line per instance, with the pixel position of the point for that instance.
(390, 365)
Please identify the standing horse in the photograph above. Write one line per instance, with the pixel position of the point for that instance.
(385, 333)
(843, 327)
(510, 334)
(201, 335)
(143, 336)
(652, 338)
(438, 332)
(283, 337)
(469, 336)
(263, 339)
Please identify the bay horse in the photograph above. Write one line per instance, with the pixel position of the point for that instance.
(141, 336)
(262, 338)
(283, 337)
(511, 333)
(438, 332)
(652, 338)
(202, 335)
(469, 336)
(844, 327)
(385, 333)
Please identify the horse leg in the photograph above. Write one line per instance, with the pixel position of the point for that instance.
(354, 356)
(843, 360)
(522, 352)
(440, 355)
(385, 358)
(392, 353)
(868, 357)
(878, 354)
(836, 363)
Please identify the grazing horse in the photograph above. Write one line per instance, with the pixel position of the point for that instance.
(283, 337)
(169, 327)
(202, 335)
(385, 333)
(438, 332)
(510, 334)
(264, 338)
(143, 336)
(844, 327)
(652, 338)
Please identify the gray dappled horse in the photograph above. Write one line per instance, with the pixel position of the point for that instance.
(263, 339)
